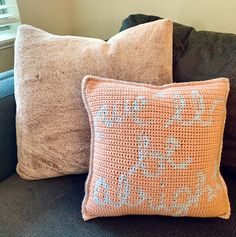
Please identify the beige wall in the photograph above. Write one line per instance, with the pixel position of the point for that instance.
(51, 15)
(6, 59)
(102, 18)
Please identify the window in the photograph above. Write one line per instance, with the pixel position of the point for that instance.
(9, 21)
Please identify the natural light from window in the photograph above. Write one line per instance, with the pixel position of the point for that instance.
(9, 21)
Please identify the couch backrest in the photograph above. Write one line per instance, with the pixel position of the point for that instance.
(203, 55)
(8, 149)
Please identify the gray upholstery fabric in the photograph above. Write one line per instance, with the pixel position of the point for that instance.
(7, 125)
(199, 56)
(49, 208)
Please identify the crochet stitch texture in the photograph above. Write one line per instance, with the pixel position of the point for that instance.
(155, 150)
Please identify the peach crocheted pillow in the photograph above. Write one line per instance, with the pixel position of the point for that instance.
(155, 150)
(53, 134)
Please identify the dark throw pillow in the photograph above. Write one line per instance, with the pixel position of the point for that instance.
(200, 55)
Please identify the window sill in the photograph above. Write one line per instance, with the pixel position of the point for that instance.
(7, 40)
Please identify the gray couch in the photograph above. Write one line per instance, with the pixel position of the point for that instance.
(53, 207)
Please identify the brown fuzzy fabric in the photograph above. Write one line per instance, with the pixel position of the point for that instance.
(53, 133)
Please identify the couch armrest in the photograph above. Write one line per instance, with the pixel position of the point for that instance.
(8, 151)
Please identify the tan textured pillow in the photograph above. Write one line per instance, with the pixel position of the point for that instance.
(155, 150)
(53, 134)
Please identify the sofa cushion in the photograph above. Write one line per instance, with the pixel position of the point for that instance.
(7, 125)
(53, 133)
(200, 55)
(53, 208)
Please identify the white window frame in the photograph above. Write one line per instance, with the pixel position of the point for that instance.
(9, 21)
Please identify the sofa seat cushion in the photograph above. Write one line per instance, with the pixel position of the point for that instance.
(53, 208)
